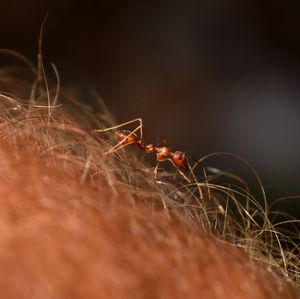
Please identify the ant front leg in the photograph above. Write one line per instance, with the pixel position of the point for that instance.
(176, 167)
(155, 170)
(179, 171)
(126, 139)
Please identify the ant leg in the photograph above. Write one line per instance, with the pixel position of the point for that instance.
(180, 172)
(115, 148)
(175, 166)
(121, 143)
(121, 125)
(155, 170)
(196, 182)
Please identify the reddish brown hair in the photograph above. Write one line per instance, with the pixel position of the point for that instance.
(75, 225)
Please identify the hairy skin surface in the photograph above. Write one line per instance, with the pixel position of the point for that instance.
(70, 227)
(63, 239)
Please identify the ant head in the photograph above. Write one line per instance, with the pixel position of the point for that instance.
(180, 159)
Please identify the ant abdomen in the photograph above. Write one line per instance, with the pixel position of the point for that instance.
(126, 137)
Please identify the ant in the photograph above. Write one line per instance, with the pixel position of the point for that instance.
(163, 153)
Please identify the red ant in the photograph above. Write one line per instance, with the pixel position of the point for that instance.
(163, 153)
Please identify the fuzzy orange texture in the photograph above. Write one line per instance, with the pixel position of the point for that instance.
(60, 238)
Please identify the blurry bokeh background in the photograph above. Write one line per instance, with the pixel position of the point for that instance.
(214, 75)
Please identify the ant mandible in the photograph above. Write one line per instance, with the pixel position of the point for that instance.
(163, 153)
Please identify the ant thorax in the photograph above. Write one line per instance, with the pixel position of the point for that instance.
(149, 148)
(163, 153)
(126, 137)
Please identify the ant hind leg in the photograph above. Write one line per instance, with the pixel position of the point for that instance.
(121, 143)
(179, 171)
(121, 125)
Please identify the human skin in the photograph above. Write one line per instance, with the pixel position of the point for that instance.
(72, 227)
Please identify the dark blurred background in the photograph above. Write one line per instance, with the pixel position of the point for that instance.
(215, 75)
